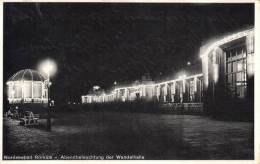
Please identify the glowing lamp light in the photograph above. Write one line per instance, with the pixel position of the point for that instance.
(48, 67)
(96, 87)
(182, 76)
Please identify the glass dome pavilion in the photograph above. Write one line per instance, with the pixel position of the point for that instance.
(27, 86)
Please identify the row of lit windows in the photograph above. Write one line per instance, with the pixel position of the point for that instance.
(236, 72)
(25, 90)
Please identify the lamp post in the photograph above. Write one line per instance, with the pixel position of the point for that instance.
(49, 68)
(49, 106)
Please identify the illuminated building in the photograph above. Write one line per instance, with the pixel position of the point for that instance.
(228, 71)
(226, 81)
(27, 86)
(182, 89)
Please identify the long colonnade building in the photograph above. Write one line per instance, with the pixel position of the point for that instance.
(227, 78)
(183, 89)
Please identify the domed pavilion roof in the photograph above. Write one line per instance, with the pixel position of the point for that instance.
(27, 75)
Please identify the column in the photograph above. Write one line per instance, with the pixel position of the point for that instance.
(169, 91)
(140, 89)
(195, 89)
(181, 90)
(23, 90)
(12, 90)
(32, 92)
(205, 71)
(186, 90)
(125, 96)
(195, 84)
(43, 91)
(165, 93)
(117, 94)
(173, 91)
(183, 83)
(143, 90)
(158, 91)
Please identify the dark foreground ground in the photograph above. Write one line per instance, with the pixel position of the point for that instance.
(154, 136)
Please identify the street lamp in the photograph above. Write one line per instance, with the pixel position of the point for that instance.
(182, 76)
(96, 87)
(49, 68)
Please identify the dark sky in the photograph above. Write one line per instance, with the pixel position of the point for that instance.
(97, 44)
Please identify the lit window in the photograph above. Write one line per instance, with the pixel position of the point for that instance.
(236, 71)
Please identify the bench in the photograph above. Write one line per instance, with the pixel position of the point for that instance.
(15, 115)
(29, 119)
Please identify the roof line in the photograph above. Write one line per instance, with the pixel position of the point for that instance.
(31, 73)
(14, 75)
(24, 73)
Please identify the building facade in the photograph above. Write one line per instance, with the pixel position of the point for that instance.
(183, 89)
(228, 71)
(226, 81)
(27, 86)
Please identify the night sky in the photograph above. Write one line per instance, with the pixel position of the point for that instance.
(97, 44)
